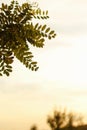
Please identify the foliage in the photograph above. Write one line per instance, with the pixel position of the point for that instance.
(64, 121)
(17, 32)
(57, 121)
(34, 127)
(73, 120)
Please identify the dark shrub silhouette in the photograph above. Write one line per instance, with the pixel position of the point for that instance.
(64, 120)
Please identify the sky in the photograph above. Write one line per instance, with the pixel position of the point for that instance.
(27, 97)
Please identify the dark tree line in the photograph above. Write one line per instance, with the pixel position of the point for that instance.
(62, 120)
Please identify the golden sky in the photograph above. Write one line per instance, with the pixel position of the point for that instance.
(28, 97)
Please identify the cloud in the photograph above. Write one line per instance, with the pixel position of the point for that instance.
(18, 87)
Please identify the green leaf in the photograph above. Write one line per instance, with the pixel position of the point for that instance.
(39, 11)
(43, 28)
(36, 68)
(1, 64)
(42, 40)
(36, 25)
(8, 66)
(47, 30)
(38, 17)
(0, 74)
(9, 70)
(32, 68)
(33, 62)
(52, 32)
(2, 69)
(49, 37)
(39, 27)
(43, 12)
(6, 72)
(47, 12)
(29, 66)
(31, 56)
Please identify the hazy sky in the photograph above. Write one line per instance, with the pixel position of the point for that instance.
(28, 97)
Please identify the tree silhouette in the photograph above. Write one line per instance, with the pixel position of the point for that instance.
(73, 120)
(18, 31)
(57, 121)
(64, 121)
(34, 127)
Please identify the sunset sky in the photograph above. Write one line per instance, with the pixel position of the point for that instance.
(27, 97)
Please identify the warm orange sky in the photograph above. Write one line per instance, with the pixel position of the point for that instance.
(28, 97)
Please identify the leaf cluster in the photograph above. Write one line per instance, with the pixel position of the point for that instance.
(17, 32)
